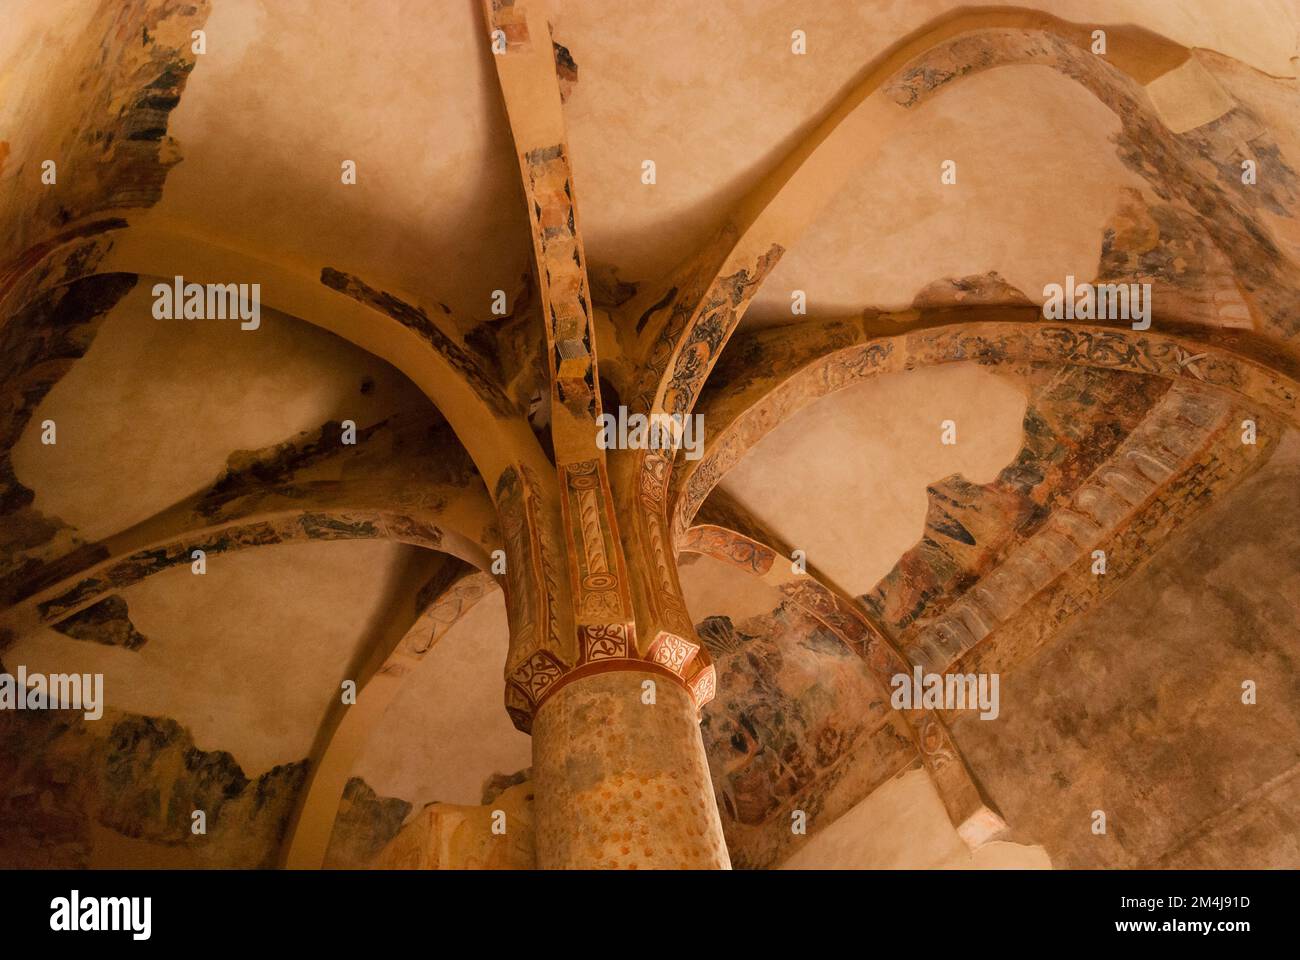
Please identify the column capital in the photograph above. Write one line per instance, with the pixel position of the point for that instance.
(603, 649)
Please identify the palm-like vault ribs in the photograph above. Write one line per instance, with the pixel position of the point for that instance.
(594, 601)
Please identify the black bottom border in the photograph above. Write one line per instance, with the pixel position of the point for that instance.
(933, 908)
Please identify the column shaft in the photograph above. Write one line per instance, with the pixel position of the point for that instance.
(621, 783)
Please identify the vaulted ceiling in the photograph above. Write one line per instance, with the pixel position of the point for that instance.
(328, 563)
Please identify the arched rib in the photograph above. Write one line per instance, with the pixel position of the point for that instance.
(348, 727)
(972, 815)
(775, 373)
(597, 569)
(684, 322)
(425, 344)
(458, 520)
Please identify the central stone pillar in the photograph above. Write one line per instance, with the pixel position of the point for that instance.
(620, 776)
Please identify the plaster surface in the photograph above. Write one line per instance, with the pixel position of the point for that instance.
(878, 464)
